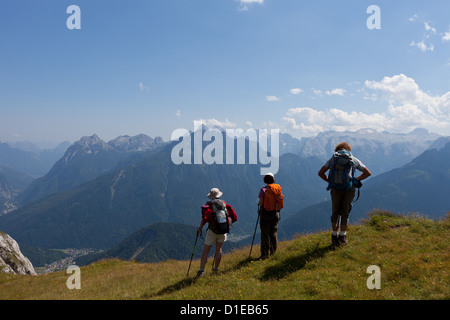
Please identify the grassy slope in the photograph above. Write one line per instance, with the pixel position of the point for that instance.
(412, 252)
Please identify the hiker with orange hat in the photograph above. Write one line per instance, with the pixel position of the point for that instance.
(271, 201)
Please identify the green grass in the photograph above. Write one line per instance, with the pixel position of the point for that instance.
(412, 252)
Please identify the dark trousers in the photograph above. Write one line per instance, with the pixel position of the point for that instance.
(341, 205)
(269, 229)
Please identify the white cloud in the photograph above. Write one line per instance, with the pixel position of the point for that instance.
(408, 107)
(402, 90)
(413, 18)
(422, 46)
(429, 28)
(272, 98)
(317, 92)
(249, 123)
(143, 88)
(429, 35)
(178, 113)
(271, 124)
(337, 91)
(296, 91)
(446, 36)
(306, 121)
(214, 122)
(246, 4)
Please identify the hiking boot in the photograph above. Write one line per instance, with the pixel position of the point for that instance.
(200, 274)
(215, 271)
(262, 258)
(343, 240)
(334, 241)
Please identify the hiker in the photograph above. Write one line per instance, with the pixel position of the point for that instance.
(217, 228)
(341, 180)
(271, 201)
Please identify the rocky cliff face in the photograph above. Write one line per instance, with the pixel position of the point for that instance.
(11, 259)
(7, 196)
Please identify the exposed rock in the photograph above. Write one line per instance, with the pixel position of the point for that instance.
(11, 259)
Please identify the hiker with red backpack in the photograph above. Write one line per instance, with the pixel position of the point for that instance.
(342, 183)
(271, 201)
(219, 216)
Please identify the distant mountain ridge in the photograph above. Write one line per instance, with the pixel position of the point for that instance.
(380, 151)
(84, 161)
(36, 163)
(12, 182)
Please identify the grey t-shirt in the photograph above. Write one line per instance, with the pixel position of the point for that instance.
(358, 164)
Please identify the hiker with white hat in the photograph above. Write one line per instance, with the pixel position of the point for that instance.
(219, 216)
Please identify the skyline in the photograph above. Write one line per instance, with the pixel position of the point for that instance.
(153, 67)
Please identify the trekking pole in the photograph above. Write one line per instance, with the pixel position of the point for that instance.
(192, 256)
(254, 233)
(214, 262)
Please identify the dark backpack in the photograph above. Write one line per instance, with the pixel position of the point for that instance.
(341, 176)
(220, 216)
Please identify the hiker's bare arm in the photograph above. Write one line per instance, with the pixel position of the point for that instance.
(199, 230)
(322, 173)
(261, 202)
(365, 174)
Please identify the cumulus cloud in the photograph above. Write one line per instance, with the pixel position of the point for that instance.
(422, 45)
(246, 4)
(408, 107)
(210, 123)
(178, 113)
(296, 91)
(272, 98)
(429, 28)
(446, 36)
(337, 91)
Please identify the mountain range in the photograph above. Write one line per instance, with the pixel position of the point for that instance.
(380, 151)
(84, 161)
(29, 159)
(12, 182)
(98, 194)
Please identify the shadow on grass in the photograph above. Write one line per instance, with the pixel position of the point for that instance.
(279, 271)
(172, 288)
(190, 281)
(293, 264)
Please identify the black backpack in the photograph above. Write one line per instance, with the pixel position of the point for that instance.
(221, 218)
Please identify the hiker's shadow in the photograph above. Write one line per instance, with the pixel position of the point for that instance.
(174, 287)
(295, 263)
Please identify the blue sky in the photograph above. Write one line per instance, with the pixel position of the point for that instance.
(154, 66)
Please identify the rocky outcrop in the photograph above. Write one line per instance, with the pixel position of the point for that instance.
(11, 259)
